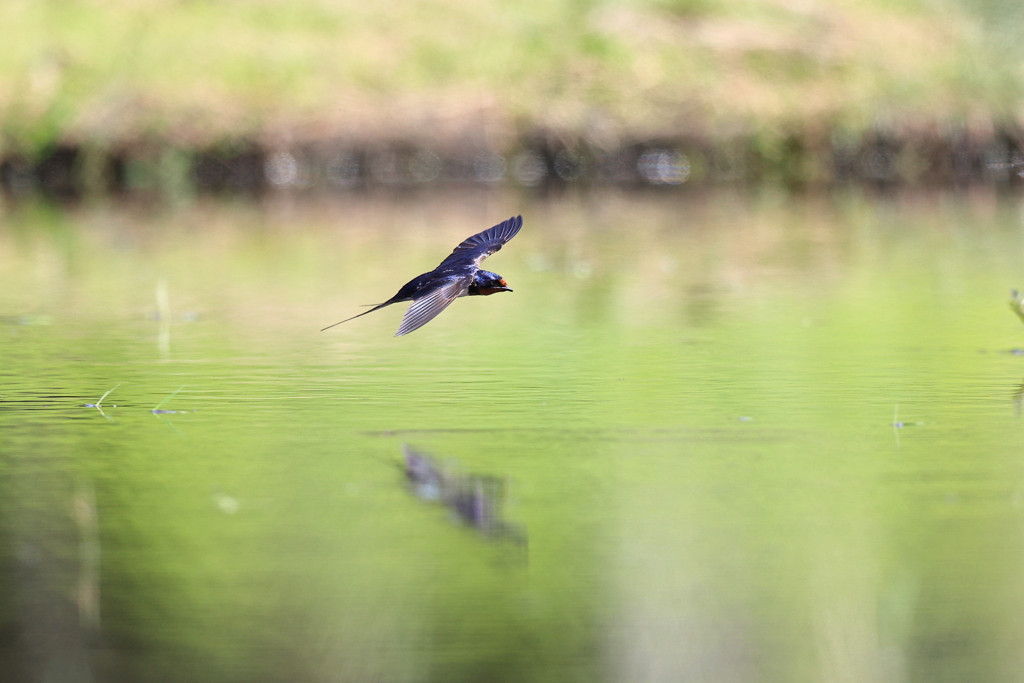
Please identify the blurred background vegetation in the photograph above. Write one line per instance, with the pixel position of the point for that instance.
(145, 92)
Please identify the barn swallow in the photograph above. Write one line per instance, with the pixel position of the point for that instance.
(458, 275)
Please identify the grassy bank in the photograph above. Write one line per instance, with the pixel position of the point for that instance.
(126, 94)
(122, 80)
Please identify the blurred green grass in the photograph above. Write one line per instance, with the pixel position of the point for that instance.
(116, 72)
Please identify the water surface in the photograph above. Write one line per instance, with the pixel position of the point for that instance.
(730, 437)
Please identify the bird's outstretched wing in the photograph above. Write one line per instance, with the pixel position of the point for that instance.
(426, 308)
(478, 247)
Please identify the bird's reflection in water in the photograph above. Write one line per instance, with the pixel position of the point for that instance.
(475, 499)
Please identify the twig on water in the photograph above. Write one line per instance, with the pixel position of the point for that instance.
(157, 411)
(98, 405)
(897, 424)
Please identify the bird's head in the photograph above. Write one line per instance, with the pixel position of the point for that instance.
(486, 283)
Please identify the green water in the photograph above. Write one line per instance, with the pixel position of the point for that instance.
(688, 403)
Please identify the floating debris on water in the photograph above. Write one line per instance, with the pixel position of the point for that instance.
(900, 425)
(98, 405)
(158, 411)
(897, 424)
(229, 505)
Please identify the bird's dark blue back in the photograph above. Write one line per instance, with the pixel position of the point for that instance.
(431, 280)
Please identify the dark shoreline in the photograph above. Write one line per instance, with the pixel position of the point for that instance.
(921, 158)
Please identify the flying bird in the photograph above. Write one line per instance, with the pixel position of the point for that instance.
(458, 275)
